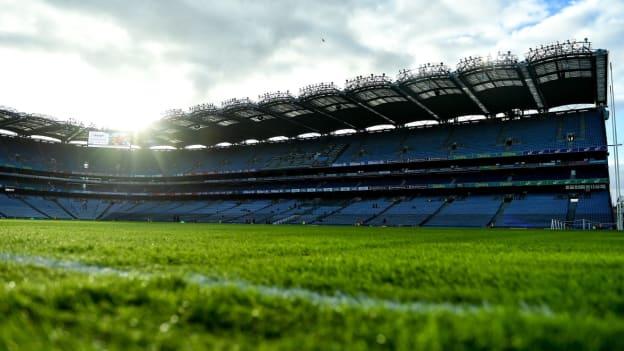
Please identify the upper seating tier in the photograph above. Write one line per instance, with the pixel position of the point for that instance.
(553, 131)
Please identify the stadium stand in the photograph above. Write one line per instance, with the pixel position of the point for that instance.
(471, 211)
(487, 137)
(514, 165)
(48, 207)
(83, 208)
(535, 210)
(15, 207)
(594, 207)
(315, 212)
(267, 214)
(410, 212)
(358, 212)
(530, 136)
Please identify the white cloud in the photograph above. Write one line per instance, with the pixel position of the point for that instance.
(118, 63)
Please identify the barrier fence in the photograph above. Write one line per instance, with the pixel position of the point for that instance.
(582, 224)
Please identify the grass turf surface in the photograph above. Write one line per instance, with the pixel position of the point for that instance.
(483, 289)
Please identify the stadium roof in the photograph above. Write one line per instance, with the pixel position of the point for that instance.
(550, 76)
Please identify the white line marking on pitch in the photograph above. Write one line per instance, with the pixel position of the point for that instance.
(336, 301)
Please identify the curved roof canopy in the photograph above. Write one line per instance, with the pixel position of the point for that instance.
(552, 75)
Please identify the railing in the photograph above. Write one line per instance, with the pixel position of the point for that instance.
(582, 224)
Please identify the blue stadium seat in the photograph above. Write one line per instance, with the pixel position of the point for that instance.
(596, 208)
(409, 212)
(471, 211)
(433, 142)
(14, 207)
(358, 212)
(535, 211)
(47, 206)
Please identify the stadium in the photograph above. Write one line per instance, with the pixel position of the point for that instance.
(445, 208)
(314, 159)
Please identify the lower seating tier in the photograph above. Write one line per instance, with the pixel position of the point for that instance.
(528, 210)
(535, 211)
(472, 211)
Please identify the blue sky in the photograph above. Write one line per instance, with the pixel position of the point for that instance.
(555, 6)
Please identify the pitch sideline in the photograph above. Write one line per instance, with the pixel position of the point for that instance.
(336, 301)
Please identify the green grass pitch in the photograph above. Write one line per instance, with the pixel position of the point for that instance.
(91, 285)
